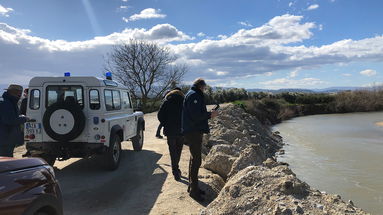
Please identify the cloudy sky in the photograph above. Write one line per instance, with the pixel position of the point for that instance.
(243, 43)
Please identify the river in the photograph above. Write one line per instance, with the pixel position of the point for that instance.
(338, 153)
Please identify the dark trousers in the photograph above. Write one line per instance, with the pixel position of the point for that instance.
(194, 139)
(159, 129)
(6, 150)
(175, 144)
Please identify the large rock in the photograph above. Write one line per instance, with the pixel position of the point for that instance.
(251, 156)
(260, 190)
(220, 159)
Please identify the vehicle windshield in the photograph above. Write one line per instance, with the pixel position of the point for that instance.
(67, 93)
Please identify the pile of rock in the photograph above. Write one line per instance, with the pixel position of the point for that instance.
(241, 151)
(237, 140)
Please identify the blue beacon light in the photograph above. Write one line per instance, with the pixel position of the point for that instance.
(67, 74)
(108, 75)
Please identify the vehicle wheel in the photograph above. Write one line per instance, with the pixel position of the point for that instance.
(64, 121)
(138, 140)
(113, 155)
(44, 206)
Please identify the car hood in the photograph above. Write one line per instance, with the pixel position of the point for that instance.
(11, 164)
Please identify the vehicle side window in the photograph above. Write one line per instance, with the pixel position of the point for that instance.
(126, 100)
(108, 100)
(34, 102)
(112, 100)
(116, 100)
(130, 101)
(94, 99)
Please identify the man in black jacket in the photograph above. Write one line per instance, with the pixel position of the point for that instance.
(194, 124)
(10, 121)
(169, 115)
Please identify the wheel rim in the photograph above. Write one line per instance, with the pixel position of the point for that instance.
(116, 151)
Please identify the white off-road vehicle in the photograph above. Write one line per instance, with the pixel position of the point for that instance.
(79, 117)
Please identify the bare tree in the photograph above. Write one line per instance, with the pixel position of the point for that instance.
(146, 68)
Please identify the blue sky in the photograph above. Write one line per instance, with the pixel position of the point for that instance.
(243, 43)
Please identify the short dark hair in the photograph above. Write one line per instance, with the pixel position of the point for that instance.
(199, 82)
(177, 88)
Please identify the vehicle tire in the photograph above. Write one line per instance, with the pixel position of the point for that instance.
(50, 159)
(42, 206)
(113, 155)
(138, 140)
(64, 121)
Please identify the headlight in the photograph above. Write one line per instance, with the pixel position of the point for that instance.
(50, 169)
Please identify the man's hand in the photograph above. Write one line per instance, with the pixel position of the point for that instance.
(214, 114)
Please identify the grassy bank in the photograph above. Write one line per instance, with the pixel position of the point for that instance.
(273, 109)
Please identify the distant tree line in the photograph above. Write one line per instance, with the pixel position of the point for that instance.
(274, 108)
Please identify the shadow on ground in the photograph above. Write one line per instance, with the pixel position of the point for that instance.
(131, 189)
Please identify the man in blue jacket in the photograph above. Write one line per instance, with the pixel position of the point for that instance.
(11, 121)
(194, 124)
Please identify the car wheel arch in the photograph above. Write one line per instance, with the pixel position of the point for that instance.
(46, 203)
(117, 130)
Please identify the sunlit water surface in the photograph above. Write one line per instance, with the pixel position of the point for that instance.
(338, 153)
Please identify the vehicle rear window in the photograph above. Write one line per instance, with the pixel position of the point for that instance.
(112, 100)
(34, 101)
(67, 93)
(94, 99)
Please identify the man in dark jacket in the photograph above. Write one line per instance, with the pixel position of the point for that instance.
(194, 124)
(24, 101)
(10, 121)
(169, 115)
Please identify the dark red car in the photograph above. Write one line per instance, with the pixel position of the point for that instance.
(28, 186)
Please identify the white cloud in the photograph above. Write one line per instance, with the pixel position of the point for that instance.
(346, 74)
(313, 7)
(291, 4)
(201, 34)
(245, 23)
(288, 83)
(260, 51)
(293, 74)
(148, 13)
(125, 0)
(4, 11)
(368, 72)
(124, 7)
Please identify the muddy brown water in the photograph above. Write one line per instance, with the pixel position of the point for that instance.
(338, 153)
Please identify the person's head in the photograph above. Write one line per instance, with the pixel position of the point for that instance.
(15, 90)
(200, 84)
(26, 91)
(177, 88)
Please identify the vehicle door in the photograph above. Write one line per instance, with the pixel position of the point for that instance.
(130, 124)
(58, 92)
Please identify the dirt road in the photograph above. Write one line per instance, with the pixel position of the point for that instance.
(143, 184)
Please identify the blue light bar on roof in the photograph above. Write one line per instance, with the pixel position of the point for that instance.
(67, 74)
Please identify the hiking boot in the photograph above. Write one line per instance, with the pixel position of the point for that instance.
(177, 176)
(196, 196)
(200, 191)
